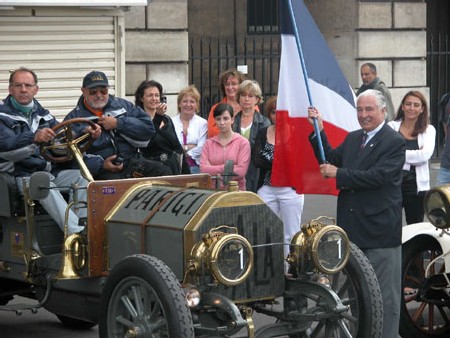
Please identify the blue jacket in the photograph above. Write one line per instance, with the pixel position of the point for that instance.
(19, 155)
(134, 130)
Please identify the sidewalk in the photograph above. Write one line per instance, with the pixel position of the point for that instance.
(434, 169)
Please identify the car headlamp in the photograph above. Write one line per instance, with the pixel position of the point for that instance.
(325, 245)
(437, 206)
(192, 295)
(227, 256)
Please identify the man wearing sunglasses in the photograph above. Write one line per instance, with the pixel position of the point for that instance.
(24, 125)
(125, 129)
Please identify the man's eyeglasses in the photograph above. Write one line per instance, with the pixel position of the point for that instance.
(21, 85)
(102, 90)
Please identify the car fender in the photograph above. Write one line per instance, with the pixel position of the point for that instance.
(417, 230)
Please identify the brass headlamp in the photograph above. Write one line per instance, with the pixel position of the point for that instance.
(228, 256)
(325, 245)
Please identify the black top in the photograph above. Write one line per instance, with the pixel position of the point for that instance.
(165, 146)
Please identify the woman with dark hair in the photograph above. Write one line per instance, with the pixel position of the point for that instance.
(164, 146)
(227, 145)
(412, 122)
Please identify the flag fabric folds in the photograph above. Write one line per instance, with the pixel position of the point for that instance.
(294, 162)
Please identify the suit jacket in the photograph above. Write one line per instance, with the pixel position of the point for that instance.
(369, 205)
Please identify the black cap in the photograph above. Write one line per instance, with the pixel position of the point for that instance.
(95, 79)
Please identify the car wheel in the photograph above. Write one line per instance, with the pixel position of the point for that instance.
(424, 312)
(75, 323)
(357, 287)
(143, 298)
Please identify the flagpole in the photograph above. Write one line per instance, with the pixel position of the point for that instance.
(305, 75)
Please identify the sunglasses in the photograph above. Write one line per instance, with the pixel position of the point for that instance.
(102, 90)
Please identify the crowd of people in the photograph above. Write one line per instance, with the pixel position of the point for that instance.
(379, 169)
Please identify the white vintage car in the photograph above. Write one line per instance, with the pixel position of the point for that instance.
(425, 308)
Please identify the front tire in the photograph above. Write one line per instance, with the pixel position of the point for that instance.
(419, 318)
(357, 287)
(143, 298)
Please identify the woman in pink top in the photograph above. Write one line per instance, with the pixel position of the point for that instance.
(227, 145)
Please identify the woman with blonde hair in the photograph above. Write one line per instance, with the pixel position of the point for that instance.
(248, 122)
(191, 129)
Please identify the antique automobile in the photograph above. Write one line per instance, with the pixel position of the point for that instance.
(173, 257)
(426, 270)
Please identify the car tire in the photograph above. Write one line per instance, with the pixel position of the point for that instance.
(143, 296)
(419, 318)
(357, 287)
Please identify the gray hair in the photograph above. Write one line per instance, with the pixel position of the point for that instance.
(379, 98)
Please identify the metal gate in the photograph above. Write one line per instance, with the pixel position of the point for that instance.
(438, 60)
(208, 57)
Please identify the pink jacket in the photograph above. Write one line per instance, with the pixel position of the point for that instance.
(214, 156)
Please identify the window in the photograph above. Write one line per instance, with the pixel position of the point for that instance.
(262, 16)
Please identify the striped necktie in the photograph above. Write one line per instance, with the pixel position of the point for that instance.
(363, 141)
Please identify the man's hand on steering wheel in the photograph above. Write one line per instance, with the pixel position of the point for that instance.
(44, 135)
(95, 131)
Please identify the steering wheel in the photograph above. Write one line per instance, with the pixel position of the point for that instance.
(65, 144)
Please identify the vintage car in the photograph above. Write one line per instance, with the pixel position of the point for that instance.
(171, 257)
(426, 270)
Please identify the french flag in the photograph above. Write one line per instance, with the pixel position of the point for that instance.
(309, 76)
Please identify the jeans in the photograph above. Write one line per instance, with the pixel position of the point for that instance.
(443, 176)
(56, 205)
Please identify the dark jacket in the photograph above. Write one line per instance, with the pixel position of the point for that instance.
(259, 122)
(261, 161)
(134, 130)
(379, 85)
(19, 154)
(165, 146)
(369, 205)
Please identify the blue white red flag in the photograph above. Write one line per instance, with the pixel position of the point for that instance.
(294, 162)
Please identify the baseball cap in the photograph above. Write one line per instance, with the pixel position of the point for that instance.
(95, 79)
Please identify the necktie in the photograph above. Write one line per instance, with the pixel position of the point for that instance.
(363, 141)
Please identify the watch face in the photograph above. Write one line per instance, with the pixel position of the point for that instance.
(233, 259)
(332, 250)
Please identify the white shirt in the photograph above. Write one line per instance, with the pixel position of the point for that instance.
(196, 134)
(419, 158)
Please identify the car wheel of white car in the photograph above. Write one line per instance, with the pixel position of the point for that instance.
(143, 298)
(424, 311)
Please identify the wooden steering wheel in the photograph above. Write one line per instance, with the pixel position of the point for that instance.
(64, 143)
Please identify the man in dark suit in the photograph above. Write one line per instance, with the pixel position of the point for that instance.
(368, 171)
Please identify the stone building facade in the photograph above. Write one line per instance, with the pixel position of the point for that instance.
(390, 33)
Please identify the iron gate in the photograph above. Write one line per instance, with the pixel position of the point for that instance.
(208, 57)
